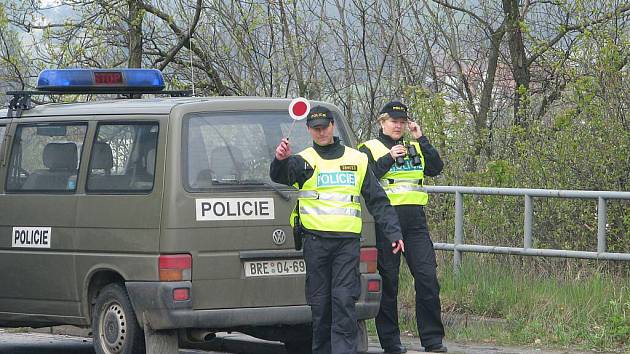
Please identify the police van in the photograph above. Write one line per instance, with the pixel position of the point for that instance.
(150, 214)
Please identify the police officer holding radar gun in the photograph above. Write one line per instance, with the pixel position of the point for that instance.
(401, 167)
(331, 179)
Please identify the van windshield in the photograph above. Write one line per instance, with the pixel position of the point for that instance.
(236, 148)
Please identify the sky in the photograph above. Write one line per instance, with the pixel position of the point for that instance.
(54, 11)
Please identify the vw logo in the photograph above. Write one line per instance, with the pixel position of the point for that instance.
(279, 237)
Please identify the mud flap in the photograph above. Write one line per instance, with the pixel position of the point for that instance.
(362, 337)
(161, 342)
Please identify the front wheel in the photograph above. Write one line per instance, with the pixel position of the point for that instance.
(114, 324)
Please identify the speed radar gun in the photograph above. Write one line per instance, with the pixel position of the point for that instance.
(298, 110)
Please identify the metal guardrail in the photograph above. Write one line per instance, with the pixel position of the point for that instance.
(458, 247)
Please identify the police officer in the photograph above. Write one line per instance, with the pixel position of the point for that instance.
(401, 167)
(331, 178)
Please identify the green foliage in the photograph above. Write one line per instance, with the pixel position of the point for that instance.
(618, 325)
(13, 59)
(3, 17)
(445, 123)
(565, 308)
(582, 142)
(500, 173)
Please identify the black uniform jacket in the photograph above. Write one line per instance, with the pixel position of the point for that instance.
(296, 169)
(432, 160)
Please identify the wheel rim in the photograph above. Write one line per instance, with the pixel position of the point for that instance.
(113, 328)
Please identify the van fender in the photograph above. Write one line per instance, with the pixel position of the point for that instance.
(95, 279)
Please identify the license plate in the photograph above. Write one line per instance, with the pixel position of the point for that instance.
(275, 267)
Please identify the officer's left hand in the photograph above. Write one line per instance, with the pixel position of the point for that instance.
(398, 246)
(415, 129)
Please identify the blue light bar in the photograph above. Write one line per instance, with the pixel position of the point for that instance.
(67, 80)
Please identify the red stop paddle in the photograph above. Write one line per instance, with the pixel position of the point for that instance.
(298, 110)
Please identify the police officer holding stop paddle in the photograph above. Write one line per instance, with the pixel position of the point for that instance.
(331, 179)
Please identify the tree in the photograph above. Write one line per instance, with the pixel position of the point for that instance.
(111, 34)
(13, 70)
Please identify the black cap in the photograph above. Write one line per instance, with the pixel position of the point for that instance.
(319, 117)
(395, 109)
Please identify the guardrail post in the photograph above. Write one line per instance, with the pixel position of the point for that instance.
(459, 231)
(602, 220)
(527, 227)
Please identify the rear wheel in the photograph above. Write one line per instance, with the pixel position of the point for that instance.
(114, 324)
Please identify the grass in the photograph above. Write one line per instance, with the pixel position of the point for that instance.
(539, 303)
(18, 330)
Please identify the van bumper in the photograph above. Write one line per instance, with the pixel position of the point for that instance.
(154, 307)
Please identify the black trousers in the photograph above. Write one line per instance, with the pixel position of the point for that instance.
(420, 258)
(332, 288)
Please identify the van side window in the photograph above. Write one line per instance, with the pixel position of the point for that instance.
(225, 151)
(123, 158)
(234, 149)
(46, 157)
(2, 129)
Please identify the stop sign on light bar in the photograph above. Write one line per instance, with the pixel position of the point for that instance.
(299, 108)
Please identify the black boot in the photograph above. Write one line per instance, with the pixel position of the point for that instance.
(436, 348)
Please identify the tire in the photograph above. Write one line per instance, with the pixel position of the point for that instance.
(114, 325)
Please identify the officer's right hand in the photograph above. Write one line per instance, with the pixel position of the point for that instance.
(397, 151)
(283, 150)
(398, 246)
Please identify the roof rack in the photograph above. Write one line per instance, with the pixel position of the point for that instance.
(21, 100)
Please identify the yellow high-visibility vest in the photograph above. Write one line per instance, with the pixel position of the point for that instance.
(404, 185)
(330, 199)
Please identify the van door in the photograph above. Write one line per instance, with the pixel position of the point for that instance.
(119, 214)
(226, 211)
(37, 214)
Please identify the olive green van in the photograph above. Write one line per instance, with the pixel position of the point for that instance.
(155, 216)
